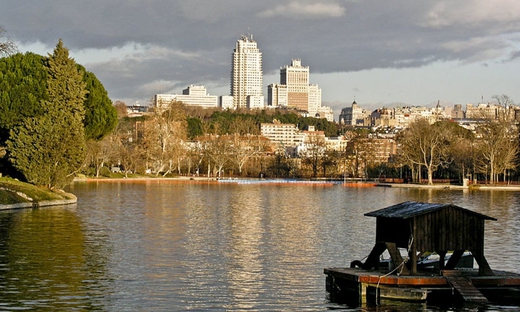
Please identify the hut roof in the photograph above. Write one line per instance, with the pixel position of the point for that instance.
(411, 209)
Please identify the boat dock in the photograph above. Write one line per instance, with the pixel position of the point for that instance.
(355, 285)
(419, 230)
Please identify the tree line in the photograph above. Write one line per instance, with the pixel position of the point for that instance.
(194, 141)
(446, 150)
(184, 140)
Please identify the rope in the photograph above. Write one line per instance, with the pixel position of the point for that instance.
(400, 267)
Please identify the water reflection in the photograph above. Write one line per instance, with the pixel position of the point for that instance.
(159, 246)
(46, 261)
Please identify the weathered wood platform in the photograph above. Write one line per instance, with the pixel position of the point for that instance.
(357, 285)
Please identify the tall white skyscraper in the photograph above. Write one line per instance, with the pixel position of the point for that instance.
(246, 73)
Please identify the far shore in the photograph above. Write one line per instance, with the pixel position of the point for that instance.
(68, 198)
(201, 179)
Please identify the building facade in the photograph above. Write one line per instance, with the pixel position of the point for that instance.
(294, 90)
(281, 135)
(296, 78)
(353, 115)
(226, 102)
(246, 72)
(191, 96)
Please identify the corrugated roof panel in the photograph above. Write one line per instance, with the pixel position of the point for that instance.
(411, 209)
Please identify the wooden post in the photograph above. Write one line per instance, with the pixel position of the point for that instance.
(396, 258)
(454, 259)
(483, 266)
(413, 249)
(373, 257)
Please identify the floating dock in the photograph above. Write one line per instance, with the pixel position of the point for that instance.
(356, 286)
(421, 229)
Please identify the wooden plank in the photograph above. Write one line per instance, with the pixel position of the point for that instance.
(396, 258)
(466, 289)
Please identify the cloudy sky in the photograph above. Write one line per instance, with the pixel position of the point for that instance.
(378, 52)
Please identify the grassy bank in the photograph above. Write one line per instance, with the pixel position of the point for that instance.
(16, 192)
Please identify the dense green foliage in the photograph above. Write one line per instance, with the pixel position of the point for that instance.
(229, 122)
(100, 114)
(47, 149)
(23, 81)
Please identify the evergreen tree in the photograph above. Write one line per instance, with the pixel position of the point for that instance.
(100, 114)
(23, 83)
(49, 148)
(23, 89)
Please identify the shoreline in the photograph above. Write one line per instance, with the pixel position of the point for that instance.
(70, 198)
(15, 194)
(214, 180)
(43, 203)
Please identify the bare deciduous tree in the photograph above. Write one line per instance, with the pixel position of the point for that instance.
(7, 46)
(245, 147)
(498, 147)
(164, 133)
(426, 145)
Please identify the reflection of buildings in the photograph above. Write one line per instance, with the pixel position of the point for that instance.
(246, 74)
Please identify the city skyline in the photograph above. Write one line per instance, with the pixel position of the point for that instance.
(377, 54)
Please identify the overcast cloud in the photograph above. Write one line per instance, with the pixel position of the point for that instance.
(379, 52)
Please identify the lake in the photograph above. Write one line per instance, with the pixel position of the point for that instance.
(167, 246)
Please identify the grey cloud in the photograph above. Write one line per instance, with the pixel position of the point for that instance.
(304, 10)
(192, 41)
(515, 55)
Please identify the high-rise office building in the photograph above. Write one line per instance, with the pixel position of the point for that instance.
(246, 73)
(294, 90)
(296, 78)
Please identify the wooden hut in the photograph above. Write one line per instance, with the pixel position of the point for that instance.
(427, 227)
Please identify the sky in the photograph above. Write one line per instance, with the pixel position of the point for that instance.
(376, 52)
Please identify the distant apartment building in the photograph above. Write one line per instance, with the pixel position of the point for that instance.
(384, 148)
(338, 144)
(481, 111)
(312, 143)
(255, 102)
(325, 112)
(277, 96)
(457, 112)
(314, 108)
(354, 115)
(383, 117)
(191, 96)
(226, 102)
(296, 78)
(246, 73)
(281, 135)
(380, 151)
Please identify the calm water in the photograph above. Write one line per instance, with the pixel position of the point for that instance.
(160, 246)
